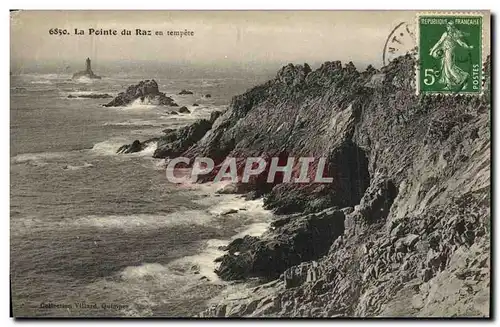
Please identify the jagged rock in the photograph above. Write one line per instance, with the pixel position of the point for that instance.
(347, 210)
(302, 239)
(175, 142)
(293, 75)
(374, 205)
(146, 91)
(136, 146)
(183, 92)
(214, 115)
(239, 245)
(178, 141)
(378, 198)
(377, 81)
(184, 110)
(229, 212)
(195, 105)
(410, 240)
(306, 272)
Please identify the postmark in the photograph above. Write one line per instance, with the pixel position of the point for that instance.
(450, 58)
(401, 41)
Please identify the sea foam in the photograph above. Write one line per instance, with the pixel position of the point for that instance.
(145, 221)
(108, 147)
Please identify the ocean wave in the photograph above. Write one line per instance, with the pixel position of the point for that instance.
(37, 157)
(203, 263)
(196, 113)
(51, 76)
(159, 164)
(41, 90)
(255, 229)
(189, 277)
(50, 158)
(231, 201)
(150, 286)
(83, 80)
(54, 76)
(149, 150)
(145, 221)
(77, 93)
(42, 82)
(132, 273)
(108, 147)
(136, 122)
(211, 83)
(78, 167)
(137, 104)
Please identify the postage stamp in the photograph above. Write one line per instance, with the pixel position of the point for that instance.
(450, 53)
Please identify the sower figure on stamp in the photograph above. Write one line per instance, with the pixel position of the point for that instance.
(452, 76)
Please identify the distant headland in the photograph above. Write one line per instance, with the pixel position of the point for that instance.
(87, 72)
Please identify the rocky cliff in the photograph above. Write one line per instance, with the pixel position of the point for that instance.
(403, 230)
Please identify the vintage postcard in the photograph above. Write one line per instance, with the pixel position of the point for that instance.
(259, 164)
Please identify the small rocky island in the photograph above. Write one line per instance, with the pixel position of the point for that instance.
(184, 92)
(87, 72)
(148, 93)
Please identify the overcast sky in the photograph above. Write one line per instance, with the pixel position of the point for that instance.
(219, 37)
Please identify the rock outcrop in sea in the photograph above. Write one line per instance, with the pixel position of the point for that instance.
(185, 92)
(90, 96)
(184, 110)
(87, 72)
(174, 141)
(405, 227)
(146, 92)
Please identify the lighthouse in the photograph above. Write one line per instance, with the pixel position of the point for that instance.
(87, 62)
(87, 72)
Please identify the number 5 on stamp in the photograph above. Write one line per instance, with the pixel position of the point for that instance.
(450, 53)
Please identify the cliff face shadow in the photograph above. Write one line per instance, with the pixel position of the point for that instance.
(348, 165)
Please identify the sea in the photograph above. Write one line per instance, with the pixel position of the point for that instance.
(99, 234)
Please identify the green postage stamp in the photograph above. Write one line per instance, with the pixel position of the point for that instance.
(450, 53)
